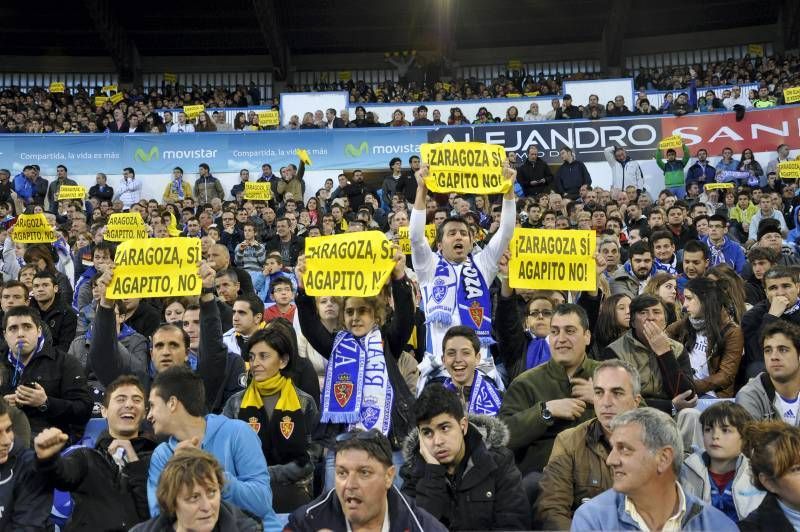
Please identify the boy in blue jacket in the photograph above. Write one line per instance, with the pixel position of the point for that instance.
(177, 404)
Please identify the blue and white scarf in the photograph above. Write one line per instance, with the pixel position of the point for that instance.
(538, 352)
(629, 270)
(468, 293)
(357, 388)
(794, 308)
(666, 267)
(19, 366)
(717, 255)
(483, 398)
(177, 188)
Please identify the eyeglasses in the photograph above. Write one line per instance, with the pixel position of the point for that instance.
(541, 313)
(372, 434)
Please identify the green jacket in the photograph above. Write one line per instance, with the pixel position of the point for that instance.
(531, 436)
(673, 170)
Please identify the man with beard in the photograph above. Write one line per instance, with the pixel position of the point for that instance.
(631, 277)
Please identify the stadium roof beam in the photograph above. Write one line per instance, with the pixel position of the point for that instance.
(267, 14)
(119, 44)
(613, 35)
(789, 25)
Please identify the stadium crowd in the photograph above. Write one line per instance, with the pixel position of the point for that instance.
(39, 111)
(667, 398)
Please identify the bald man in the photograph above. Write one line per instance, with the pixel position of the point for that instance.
(220, 259)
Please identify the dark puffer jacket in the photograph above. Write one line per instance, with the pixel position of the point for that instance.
(484, 493)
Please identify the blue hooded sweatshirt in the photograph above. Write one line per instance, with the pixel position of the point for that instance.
(793, 238)
(237, 448)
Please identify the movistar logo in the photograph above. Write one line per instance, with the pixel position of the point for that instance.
(141, 156)
(352, 151)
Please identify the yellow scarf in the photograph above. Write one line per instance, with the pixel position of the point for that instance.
(288, 401)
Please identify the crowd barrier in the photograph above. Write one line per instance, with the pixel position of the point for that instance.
(372, 148)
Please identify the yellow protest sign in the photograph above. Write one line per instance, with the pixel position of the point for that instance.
(514, 64)
(791, 94)
(57, 86)
(673, 141)
(755, 50)
(33, 229)
(513, 95)
(552, 259)
(117, 97)
(124, 226)
(110, 88)
(349, 264)
(533, 94)
(268, 118)
(169, 77)
(71, 192)
(100, 100)
(303, 154)
(345, 75)
(193, 111)
(465, 167)
(788, 170)
(156, 267)
(404, 241)
(260, 191)
(714, 186)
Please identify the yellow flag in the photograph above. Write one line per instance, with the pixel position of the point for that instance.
(172, 228)
(465, 167)
(33, 229)
(156, 267)
(303, 154)
(349, 264)
(552, 259)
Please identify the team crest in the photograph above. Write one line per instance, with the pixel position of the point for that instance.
(476, 313)
(287, 426)
(369, 415)
(254, 424)
(343, 390)
(439, 290)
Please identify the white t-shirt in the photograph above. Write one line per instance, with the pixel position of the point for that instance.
(698, 357)
(788, 409)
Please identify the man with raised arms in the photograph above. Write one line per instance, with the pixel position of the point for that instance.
(454, 281)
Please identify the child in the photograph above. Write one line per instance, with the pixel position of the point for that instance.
(721, 475)
(262, 281)
(282, 291)
(250, 254)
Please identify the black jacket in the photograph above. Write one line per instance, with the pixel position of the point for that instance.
(767, 517)
(106, 194)
(296, 246)
(62, 321)
(355, 193)
(326, 513)
(570, 177)
(395, 332)
(145, 319)
(535, 177)
(25, 497)
(231, 519)
(753, 323)
(69, 405)
(105, 497)
(485, 493)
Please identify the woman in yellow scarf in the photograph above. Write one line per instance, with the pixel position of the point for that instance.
(283, 416)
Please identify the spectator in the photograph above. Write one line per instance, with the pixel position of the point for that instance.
(681, 106)
(101, 191)
(332, 120)
(177, 189)
(567, 111)
(571, 175)
(24, 496)
(744, 210)
(363, 496)
(663, 363)
(108, 482)
(59, 316)
(207, 187)
(673, 169)
(701, 172)
(620, 109)
(189, 497)
(766, 212)
(721, 475)
(552, 114)
(737, 98)
(534, 174)
(533, 114)
(422, 117)
(749, 164)
(544, 401)
(250, 254)
(780, 345)
(632, 276)
(60, 180)
(594, 106)
(48, 385)
(177, 403)
(773, 449)
(30, 187)
(782, 156)
(287, 415)
(130, 190)
(289, 245)
(624, 170)
(577, 469)
(723, 250)
(435, 453)
(181, 126)
(713, 340)
(646, 457)
(220, 260)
